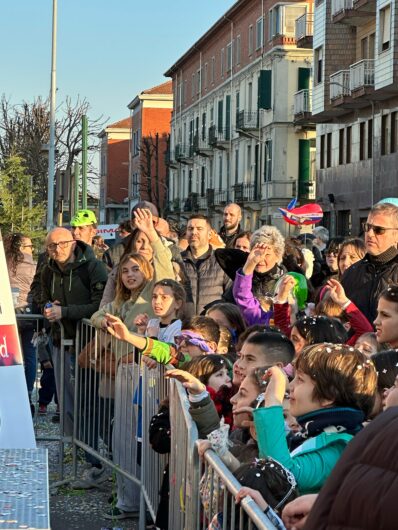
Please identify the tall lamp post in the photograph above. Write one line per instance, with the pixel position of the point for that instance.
(51, 150)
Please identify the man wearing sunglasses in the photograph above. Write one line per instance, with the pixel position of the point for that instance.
(366, 279)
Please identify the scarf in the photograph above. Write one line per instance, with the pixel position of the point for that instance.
(335, 419)
(263, 283)
(384, 257)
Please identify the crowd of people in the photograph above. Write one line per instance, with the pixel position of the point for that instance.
(286, 348)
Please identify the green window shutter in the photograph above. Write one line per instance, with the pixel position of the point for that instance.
(220, 116)
(227, 117)
(304, 167)
(304, 75)
(265, 89)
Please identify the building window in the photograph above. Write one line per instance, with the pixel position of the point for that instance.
(205, 77)
(341, 146)
(268, 161)
(393, 132)
(193, 86)
(362, 137)
(237, 50)
(259, 33)
(328, 149)
(384, 134)
(229, 57)
(198, 81)
(322, 154)
(237, 165)
(385, 28)
(318, 65)
(282, 20)
(213, 69)
(222, 62)
(203, 182)
(185, 91)
(250, 43)
(348, 145)
(220, 172)
(204, 126)
(370, 138)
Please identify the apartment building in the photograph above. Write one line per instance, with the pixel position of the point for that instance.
(151, 115)
(114, 171)
(239, 131)
(355, 104)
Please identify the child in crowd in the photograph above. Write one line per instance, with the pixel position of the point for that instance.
(386, 364)
(367, 344)
(228, 315)
(333, 392)
(386, 322)
(199, 335)
(314, 330)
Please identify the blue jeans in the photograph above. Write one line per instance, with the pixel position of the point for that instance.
(29, 357)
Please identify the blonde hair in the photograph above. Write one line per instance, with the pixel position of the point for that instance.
(123, 293)
(269, 235)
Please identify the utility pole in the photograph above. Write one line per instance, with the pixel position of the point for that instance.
(51, 149)
(84, 161)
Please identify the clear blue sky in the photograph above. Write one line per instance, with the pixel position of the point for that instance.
(108, 50)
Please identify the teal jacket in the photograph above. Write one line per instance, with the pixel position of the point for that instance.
(312, 462)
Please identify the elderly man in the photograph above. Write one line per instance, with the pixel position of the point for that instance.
(84, 226)
(366, 279)
(207, 278)
(72, 283)
(232, 217)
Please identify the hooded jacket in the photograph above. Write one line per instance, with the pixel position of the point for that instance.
(78, 287)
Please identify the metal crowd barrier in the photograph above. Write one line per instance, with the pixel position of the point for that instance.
(30, 327)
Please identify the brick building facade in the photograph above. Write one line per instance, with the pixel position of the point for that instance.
(234, 133)
(151, 115)
(114, 161)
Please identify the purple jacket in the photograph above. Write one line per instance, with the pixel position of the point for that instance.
(249, 306)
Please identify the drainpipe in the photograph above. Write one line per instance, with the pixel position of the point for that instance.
(230, 110)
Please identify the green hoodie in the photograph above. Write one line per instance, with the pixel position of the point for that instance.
(78, 288)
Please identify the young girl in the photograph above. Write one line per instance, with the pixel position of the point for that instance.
(386, 322)
(214, 372)
(168, 302)
(333, 392)
(386, 364)
(228, 315)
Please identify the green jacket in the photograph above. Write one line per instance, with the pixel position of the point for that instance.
(78, 287)
(312, 462)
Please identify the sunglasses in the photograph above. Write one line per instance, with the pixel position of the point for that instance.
(377, 230)
(194, 341)
(61, 244)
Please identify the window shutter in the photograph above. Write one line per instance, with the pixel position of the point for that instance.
(264, 89)
(304, 75)
(304, 167)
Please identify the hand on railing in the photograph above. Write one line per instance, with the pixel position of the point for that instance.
(150, 363)
(254, 494)
(203, 446)
(193, 385)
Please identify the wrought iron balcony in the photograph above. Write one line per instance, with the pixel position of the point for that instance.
(220, 197)
(246, 120)
(201, 146)
(305, 30)
(244, 193)
(362, 74)
(218, 138)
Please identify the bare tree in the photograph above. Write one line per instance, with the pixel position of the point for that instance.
(153, 185)
(24, 131)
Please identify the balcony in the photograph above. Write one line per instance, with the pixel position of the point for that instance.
(279, 189)
(305, 30)
(191, 203)
(183, 153)
(219, 138)
(362, 77)
(201, 146)
(244, 193)
(176, 205)
(303, 107)
(247, 120)
(220, 197)
(340, 87)
(353, 12)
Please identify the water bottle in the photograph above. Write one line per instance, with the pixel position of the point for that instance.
(48, 305)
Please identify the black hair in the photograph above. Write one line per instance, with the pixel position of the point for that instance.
(321, 329)
(277, 348)
(386, 363)
(12, 248)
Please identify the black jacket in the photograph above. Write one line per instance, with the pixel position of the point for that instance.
(78, 288)
(208, 280)
(365, 280)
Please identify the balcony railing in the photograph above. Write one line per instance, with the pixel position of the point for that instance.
(200, 144)
(247, 120)
(280, 189)
(339, 84)
(218, 136)
(338, 6)
(305, 26)
(181, 151)
(244, 193)
(362, 74)
(220, 197)
(303, 101)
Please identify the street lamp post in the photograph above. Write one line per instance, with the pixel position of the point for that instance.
(51, 150)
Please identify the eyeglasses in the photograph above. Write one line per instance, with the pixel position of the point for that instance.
(377, 230)
(27, 246)
(61, 244)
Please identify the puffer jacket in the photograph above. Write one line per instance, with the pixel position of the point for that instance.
(365, 280)
(208, 280)
(362, 490)
(78, 287)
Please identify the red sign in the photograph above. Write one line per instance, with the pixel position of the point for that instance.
(10, 353)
